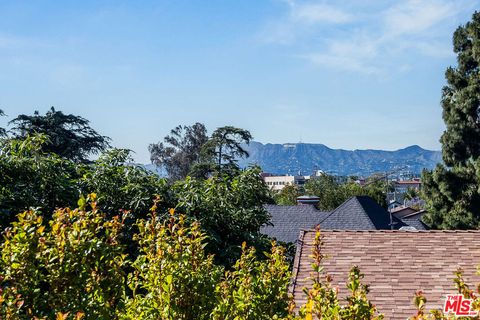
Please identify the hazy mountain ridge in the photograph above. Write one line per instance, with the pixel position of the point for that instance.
(292, 158)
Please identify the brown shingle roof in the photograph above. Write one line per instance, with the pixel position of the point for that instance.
(395, 264)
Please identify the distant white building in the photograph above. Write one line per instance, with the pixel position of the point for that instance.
(277, 183)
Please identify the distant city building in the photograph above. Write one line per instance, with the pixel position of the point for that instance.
(403, 185)
(278, 182)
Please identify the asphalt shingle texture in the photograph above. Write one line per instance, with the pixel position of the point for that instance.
(356, 213)
(395, 264)
(287, 221)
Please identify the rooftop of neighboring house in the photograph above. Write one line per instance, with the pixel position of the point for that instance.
(287, 221)
(395, 263)
(356, 213)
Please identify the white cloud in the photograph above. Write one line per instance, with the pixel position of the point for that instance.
(368, 37)
(301, 19)
(416, 16)
(312, 13)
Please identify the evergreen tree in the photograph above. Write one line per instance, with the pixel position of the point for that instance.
(222, 151)
(452, 190)
(69, 136)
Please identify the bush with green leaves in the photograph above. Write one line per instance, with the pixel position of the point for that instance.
(173, 277)
(230, 210)
(72, 265)
(30, 177)
(122, 185)
(255, 289)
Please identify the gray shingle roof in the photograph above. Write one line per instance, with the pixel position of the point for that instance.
(415, 222)
(358, 213)
(287, 221)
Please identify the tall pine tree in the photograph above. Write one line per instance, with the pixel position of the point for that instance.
(452, 191)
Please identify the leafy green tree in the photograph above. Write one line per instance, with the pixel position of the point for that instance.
(451, 191)
(221, 152)
(180, 150)
(230, 210)
(121, 185)
(69, 136)
(29, 177)
(71, 265)
(124, 187)
(288, 195)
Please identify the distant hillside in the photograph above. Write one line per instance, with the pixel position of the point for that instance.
(291, 158)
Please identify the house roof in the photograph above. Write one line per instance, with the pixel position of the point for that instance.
(395, 264)
(402, 209)
(287, 221)
(358, 213)
(414, 222)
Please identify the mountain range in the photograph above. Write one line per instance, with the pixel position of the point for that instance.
(305, 158)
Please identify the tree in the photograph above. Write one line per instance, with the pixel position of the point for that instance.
(69, 136)
(451, 191)
(180, 150)
(2, 130)
(230, 210)
(121, 185)
(124, 187)
(332, 193)
(288, 195)
(224, 148)
(29, 177)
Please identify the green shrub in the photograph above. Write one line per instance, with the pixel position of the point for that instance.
(255, 289)
(173, 278)
(72, 265)
(30, 177)
(230, 210)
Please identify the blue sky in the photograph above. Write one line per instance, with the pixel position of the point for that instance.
(350, 74)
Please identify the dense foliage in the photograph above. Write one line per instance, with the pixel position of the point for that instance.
(451, 190)
(30, 177)
(288, 195)
(73, 267)
(229, 208)
(69, 136)
(122, 185)
(173, 278)
(70, 264)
